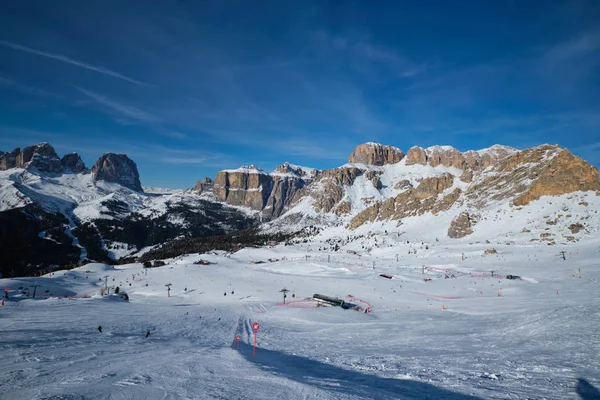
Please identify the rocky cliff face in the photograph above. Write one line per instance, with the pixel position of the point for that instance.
(246, 186)
(375, 154)
(117, 168)
(204, 185)
(428, 196)
(530, 174)
(254, 188)
(448, 156)
(41, 156)
(498, 174)
(73, 162)
(9, 160)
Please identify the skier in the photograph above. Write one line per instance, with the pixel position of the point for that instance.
(100, 328)
(147, 334)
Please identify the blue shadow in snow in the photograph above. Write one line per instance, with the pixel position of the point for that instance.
(344, 382)
(586, 390)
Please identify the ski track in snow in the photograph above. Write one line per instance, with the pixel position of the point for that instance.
(535, 340)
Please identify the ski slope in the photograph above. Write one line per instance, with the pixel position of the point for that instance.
(535, 338)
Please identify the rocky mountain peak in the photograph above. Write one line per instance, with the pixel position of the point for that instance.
(375, 154)
(292, 170)
(9, 160)
(73, 162)
(204, 185)
(117, 168)
(41, 156)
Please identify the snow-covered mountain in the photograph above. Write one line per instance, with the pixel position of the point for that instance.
(62, 213)
(67, 213)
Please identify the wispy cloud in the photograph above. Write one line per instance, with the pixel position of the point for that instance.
(67, 60)
(120, 109)
(364, 52)
(575, 48)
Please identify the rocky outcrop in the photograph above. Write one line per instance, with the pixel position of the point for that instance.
(9, 160)
(41, 156)
(296, 170)
(117, 168)
(576, 228)
(73, 162)
(450, 157)
(246, 186)
(562, 172)
(375, 154)
(460, 226)
(328, 189)
(427, 197)
(530, 174)
(204, 185)
(284, 190)
(416, 155)
(446, 156)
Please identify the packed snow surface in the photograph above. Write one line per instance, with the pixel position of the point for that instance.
(472, 335)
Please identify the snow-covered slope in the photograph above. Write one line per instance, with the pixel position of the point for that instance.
(473, 335)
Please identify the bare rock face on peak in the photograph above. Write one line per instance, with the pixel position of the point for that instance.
(450, 157)
(416, 155)
(245, 186)
(204, 185)
(375, 154)
(117, 168)
(73, 162)
(302, 172)
(446, 156)
(9, 160)
(41, 156)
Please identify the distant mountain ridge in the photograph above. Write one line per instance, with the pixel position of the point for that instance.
(67, 212)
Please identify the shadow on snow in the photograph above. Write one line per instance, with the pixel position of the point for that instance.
(344, 382)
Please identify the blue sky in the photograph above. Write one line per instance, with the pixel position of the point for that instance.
(187, 88)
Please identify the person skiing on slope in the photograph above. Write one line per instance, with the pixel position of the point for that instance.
(147, 334)
(100, 328)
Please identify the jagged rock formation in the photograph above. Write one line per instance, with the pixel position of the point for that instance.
(9, 160)
(496, 174)
(245, 186)
(329, 189)
(117, 168)
(530, 174)
(254, 188)
(73, 162)
(41, 156)
(204, 185)
(375, 154)
(301, 172)
(448, 156)
(427, 197)
(461, 226)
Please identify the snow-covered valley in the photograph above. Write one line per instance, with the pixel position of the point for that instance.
(471, 335)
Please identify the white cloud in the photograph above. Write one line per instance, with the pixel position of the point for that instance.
(121, 109)
(67, 60)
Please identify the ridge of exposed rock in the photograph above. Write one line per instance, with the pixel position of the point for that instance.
(73, 162)
(245, 186)
(527, 175)
(427, 197)
(375, 154)
(448, 156)
(117, 168)
(41, 156)
(204, 185)
(302, 172)
(9, 160)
